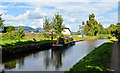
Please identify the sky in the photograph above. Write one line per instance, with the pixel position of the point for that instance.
(74, 12)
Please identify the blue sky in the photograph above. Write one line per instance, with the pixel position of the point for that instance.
(74, 13)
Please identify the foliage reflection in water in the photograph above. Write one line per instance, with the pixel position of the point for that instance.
(54, 59)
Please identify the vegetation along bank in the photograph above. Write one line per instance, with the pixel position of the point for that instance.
(98, 60)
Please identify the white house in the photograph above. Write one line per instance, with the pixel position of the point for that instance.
(66, 31)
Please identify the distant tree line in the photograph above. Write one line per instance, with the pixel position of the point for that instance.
(92, 27)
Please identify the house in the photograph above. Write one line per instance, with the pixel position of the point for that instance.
(66, 31)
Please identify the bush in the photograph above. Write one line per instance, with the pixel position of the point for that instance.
(109, 36)
(119, 37)
(9, 36)
(46, 35)
(14, 35)
(9, 29)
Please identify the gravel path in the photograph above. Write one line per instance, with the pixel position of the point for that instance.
(115, 58)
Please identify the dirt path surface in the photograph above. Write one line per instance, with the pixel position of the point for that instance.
(115, 58)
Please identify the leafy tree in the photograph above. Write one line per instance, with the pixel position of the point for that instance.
(14, 35)
(101, 29)
(118, 27)
(92, 27)
(1, 21)
(47, 25)
(81, 28)
(9, 28)
(118, 31)
(112, 28)
(86, 29)
(57, 24)
(20, 33)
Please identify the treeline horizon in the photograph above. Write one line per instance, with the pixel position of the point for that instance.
(92, 27)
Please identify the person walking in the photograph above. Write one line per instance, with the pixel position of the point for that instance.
(52, 36)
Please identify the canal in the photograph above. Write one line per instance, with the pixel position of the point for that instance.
(59, 59)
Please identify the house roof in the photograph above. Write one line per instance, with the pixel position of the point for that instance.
(42, 30)
(67, 28)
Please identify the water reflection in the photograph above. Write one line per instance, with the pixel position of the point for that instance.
(54, 59)
(58, 57)
(19, 63)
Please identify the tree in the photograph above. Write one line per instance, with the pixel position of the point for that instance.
(83, 23)
(118, 27)
(20, 33)
(112, 28)
(57, 24)
(47, 25)
(92, 27)
(1, 21)
(101, 29)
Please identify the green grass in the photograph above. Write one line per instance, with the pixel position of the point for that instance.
(84, 38)
(98, 60)
(16, 43)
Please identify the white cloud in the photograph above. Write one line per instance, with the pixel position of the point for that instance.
(2, 11)
(37, 23)
(73, 13)
(3, 6)
(68, 26)
(12, 23)
(60, 1)
(21, 24)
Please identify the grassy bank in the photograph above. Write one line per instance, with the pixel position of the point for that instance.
(28, 41)
(16, 43)
(97, 60)
(84, 38)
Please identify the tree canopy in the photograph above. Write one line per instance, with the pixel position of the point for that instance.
(1, 21)
(56, 24)
(92, 27)
(47, 25)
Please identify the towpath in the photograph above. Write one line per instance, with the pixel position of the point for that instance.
(115, 58)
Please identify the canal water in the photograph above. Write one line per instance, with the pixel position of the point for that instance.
(54, 59)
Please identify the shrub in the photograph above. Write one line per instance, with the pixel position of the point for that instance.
(46, 35)
(14, 35)
(9, 28)
(109, 36)
(9, 36)
(119, 37)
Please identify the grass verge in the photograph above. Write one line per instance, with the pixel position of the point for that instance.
(97, 61)
(16, 43)
(22, 42)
